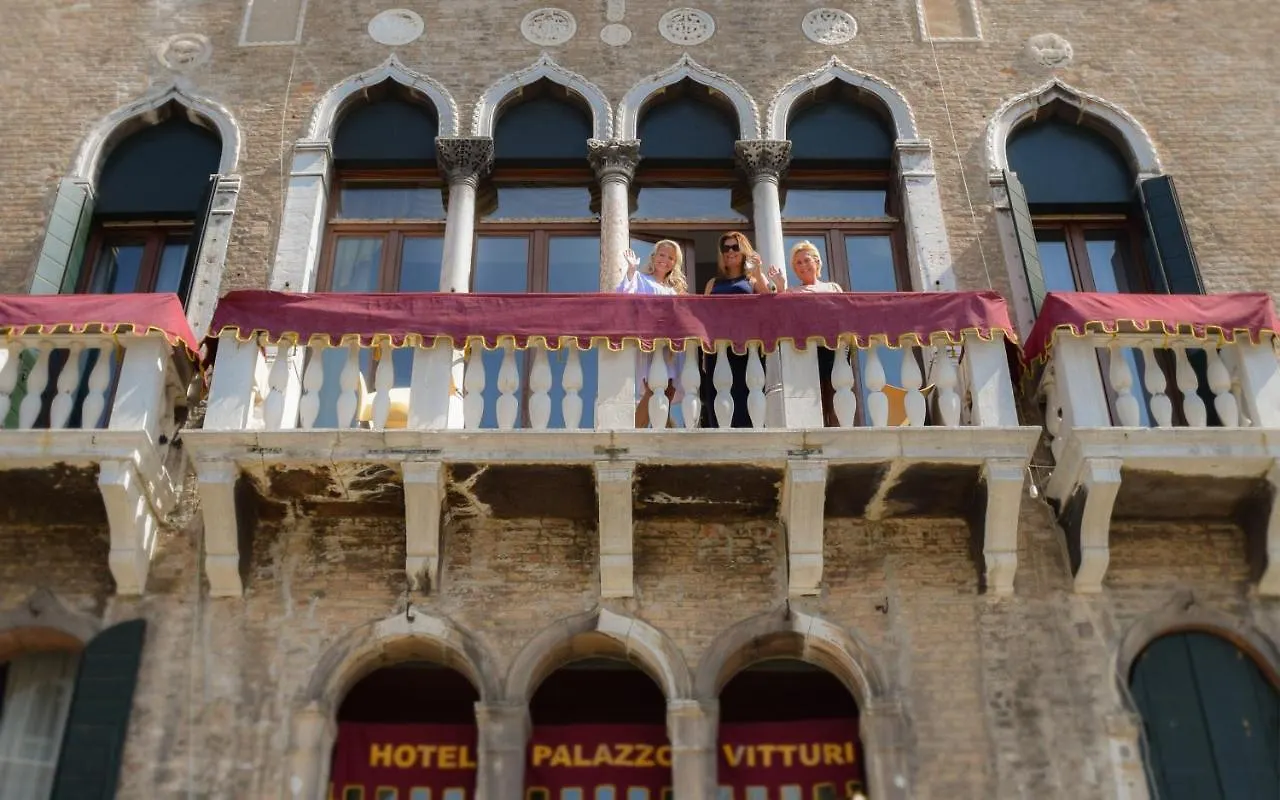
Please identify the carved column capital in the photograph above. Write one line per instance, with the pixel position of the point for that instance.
(763, 159)
(465, 159)
(614, 158)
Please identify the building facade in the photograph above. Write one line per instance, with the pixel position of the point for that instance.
(995, 558)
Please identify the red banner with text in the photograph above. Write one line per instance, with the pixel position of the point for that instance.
(803, 760)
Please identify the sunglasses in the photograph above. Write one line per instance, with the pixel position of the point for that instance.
(729, 248)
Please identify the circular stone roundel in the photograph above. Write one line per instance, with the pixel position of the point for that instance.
(549, 26)
(686, 26)
(829, 26)
(396, 26)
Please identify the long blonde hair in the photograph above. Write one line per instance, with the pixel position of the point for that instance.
(675, 278)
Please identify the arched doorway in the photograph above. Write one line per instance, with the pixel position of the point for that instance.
(599, 733)
(407, 732)
(789, 731)
(1211, 719)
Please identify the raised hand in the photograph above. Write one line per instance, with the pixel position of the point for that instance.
(632, 260)
(775, 275)
(754, 261)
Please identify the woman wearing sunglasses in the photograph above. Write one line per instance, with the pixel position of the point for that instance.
(740, 273)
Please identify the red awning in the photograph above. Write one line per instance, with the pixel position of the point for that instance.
(557, 319)
(1223, 317)
(98, 313)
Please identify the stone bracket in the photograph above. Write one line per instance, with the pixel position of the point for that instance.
(1269, 583)
(133, 525)
(614, 490)
(804, 496)
(424, 493)
(1085, 516)
(217, 484)
(1002, 480)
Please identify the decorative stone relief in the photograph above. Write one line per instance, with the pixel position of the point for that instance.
(615, 34)
(614, 157)
(686, 26)
(185, 51)
(763, 158)
(1050, 50)
(829, 26)
(465, 159)
(547, 27)
(615, 10)
(395, 27)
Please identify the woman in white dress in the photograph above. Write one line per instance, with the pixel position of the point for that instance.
(663, 274)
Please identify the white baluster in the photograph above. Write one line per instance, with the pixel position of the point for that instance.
(755, 385)
(1153, 378)
(845, 401)
(11, 355)
(473, 385)
(348, 391)
(68, 382)
(99, 379)
(946, 380)
(722, 379)
(1192, 406)
(877, 402)
(36, 383)
(508, 385)
(277, 384)
(691, 384)
(384, 380)
(539, 389)
(312, 380)
(1122, 385)
(571, 405)
(659, 405)
(1224, 402)
(912, 381)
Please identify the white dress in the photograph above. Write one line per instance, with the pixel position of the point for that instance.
(643, 283)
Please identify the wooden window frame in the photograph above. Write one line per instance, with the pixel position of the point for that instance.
(154, 236)
(1075, 227)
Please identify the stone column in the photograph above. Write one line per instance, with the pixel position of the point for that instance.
(464, 162)
(302, 225)
(615, 163)
(922, 211)
(314, 733)
(503, 737)
(692, 727)
(883, 730)
(765, 162)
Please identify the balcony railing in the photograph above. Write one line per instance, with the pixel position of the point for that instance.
(446, 389)
(1151, 397)
(96, 383)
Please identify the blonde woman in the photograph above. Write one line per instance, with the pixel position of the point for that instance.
(662, 274)
(806, 263)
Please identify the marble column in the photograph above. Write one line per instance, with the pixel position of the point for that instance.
(930, 254)
(883, 729)
(503, 730)
(614, 161)
(464, 161)
(692, 728)
(302, 225)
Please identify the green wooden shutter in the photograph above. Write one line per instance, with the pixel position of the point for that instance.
(1169, 238)
(62, 254)
(1025, 231)
(93, 745)
(197, 241)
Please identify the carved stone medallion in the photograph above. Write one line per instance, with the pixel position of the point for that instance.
(615, 34)
(548, 27)
(829, 26)
(396, 26)
(686, 26)
(185, 51)
(1050, 50)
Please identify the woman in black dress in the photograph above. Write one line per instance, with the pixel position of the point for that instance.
(740, 273)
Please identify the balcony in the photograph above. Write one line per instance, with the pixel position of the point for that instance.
(92, 392)
(410, 405)
(1160, 408)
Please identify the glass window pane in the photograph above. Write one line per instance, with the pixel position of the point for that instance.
(1109, 260)
(542, 202)
(657, 202)
(420, 260)
(809, 203)
(387, 793)
(389, 201)
(871, 264)
(817, 241)
(173, 258)
(117, 269)
(419, 793)
(1055, 261)
(357, 264)
(574, 264)
(502, 264)
(606, 793)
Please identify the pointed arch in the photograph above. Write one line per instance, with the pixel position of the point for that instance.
(507, 88)
(628, 114)
(787, 633)
(784, 102)
(144, 111)
(1138, 147)
(580, 636)
(43, 622)
(342, 95)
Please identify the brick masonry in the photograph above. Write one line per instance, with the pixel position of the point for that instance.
(1006, 697)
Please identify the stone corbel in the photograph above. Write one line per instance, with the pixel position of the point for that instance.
(133, 524)
(424, 491)
(1086, 519)
(217, 484)
(1269, 581)
(804, 495)
(614, 480)
(1002, 485)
